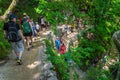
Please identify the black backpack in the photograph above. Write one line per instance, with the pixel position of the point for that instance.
(12, 34)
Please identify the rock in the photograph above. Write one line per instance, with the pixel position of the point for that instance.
(48, 65)
(116, 39)
(52, 78)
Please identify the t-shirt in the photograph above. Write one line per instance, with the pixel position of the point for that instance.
(62, 49)
(6, 25)
(37, 26)
(42, 21)
(57, 42)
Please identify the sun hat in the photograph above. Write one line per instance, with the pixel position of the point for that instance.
(24, 14)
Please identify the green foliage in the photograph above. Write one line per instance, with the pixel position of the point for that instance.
(98, 74)
(58, 11)
(19, 10)
(102, 15)
(61, 66)
(113, 70)
(26, 6)
(4, 5)
(4, 45)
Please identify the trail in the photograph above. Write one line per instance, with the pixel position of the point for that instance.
(34, 62)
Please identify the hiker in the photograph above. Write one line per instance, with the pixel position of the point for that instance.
(13, 34)
(27, 31)
(57, 43)
(61, 40)
(43, 23)
(62, 49)
(47, 24)
(37, 28)
(33, 28)
(80, 24)
(72, 27)
(66, 28)
(20, 21)
(39, 21)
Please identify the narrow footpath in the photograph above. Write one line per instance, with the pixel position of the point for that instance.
(33, 64)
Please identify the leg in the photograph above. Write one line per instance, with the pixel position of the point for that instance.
(28, 43)
(18, 49)
(31, 38)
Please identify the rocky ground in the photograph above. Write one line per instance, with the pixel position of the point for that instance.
(35, 66)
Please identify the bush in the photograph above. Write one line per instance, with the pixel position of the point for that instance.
(4, 45)
(60, 65)
(98, 74)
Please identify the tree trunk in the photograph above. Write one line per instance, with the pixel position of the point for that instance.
(10, 8)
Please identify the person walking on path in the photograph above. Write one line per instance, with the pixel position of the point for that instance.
(62, 49)
(43, 23)
(27, 31)
(33, 28)
(66, 28)
(13, 34)
(37, 28)
(80, 24)
(57, 43)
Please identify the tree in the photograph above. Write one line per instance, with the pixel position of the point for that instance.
(10, 8)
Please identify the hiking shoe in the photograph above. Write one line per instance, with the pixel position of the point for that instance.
(32, 46)
(16, 58)
(19, 61)
(28, 49)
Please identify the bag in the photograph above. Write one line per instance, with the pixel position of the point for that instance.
(13, 35)
(26, 27)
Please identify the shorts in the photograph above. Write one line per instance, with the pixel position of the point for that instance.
(43, 26)
(18, 47)
(28, 34)
(37, 30)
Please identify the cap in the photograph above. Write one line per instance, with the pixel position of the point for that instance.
(12, 16)
(24, 14)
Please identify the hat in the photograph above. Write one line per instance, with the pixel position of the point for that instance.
(24, 14)
(12, 16)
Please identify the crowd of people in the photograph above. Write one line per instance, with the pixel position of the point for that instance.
(23, 32)
(26, 30)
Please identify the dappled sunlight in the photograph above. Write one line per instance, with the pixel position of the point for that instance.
(33, 65)
(46, 32)
(105, 67)
(72, 35)
(36, 76)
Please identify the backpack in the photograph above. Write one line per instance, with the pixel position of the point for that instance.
(12, 34)
(26, 27)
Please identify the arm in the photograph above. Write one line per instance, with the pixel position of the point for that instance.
(21, 35)
(4, 28)
(31, 26)
(20, 32)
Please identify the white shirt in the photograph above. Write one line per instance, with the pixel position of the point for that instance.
(37, 26)
(42, 21)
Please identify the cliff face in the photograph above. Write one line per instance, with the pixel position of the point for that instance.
(116, 40)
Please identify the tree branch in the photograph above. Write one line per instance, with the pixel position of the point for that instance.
(10, 8)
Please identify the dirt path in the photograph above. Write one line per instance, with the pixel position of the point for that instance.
(32, 67)
(27, 71)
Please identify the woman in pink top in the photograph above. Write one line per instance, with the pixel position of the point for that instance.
(62, 49)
